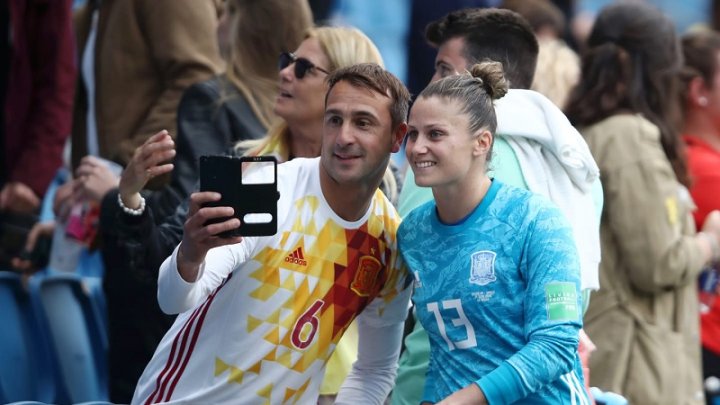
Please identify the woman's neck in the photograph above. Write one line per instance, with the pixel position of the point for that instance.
(701, 126)
(305, 140)
(457, 201)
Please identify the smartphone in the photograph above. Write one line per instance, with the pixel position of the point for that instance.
(247, 184)
(40, 255)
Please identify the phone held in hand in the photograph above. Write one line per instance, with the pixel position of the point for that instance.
(247, 184)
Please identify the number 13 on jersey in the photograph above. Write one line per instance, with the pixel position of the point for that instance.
(460, 320)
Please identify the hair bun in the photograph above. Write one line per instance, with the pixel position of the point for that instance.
(491, 76)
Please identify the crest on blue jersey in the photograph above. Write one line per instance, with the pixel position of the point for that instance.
(482, 268)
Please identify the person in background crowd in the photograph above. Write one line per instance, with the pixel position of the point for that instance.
(421, 56)
(37, 99)
(701, 129)
(36, 90)
(212, 115)
(558, 66)
(643, 319)
(137, 59)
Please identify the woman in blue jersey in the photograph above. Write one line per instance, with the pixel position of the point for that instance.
(496, 269)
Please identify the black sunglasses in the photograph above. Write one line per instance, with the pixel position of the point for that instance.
(302, 65)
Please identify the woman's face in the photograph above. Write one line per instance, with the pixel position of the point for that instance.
(303, 100)
(440, 148)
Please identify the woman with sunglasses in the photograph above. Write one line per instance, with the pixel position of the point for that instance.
(147, 240)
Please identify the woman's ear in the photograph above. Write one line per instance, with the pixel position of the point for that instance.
(698, 93)
(482, 143)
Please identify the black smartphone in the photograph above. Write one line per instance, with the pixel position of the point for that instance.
(247, 184)
(40, 255)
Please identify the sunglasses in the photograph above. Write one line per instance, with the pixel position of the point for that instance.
(302, 65)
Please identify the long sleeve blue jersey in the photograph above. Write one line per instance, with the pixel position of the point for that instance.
(499, 295)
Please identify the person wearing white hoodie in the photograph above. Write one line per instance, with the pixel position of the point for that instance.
(536, 148)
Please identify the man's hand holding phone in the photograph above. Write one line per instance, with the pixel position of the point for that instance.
(201, 235)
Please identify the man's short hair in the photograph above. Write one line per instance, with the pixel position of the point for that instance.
(491, 34)
(540, 14)
(373, 77)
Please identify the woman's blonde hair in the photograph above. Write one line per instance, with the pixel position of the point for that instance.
(343, 46)
(557, 71)
(259, 31)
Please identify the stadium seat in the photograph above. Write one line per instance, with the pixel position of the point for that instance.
(26, 369)
(77, 340)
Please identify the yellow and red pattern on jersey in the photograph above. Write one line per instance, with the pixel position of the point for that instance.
(265, 334)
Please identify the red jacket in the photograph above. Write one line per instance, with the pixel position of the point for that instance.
(704, 165)
(41, 85)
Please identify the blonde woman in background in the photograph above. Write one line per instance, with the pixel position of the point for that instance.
(344, 47)
(557, 71)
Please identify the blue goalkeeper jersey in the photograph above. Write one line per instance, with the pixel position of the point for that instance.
(499, 295)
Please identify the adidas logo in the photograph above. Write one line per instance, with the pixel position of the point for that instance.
(296, 257)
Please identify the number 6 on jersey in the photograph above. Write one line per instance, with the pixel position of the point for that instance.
(302, 336)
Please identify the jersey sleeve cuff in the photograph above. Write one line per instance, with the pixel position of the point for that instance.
(502, 385)
(176, 279)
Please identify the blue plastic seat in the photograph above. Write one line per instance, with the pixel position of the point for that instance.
(77, 339)
(26, 369)
(27, 403)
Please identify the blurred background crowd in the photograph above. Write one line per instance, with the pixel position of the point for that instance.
(95, 92)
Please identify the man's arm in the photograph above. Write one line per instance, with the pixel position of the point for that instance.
(190, 274)
(373, 374)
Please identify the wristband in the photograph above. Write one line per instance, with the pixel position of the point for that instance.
(134, 212)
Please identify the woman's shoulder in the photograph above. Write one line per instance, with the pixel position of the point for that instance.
(420, 212)
(209, 88)
(215, 88)
(621, 139)
(519, 207)
(630, 125)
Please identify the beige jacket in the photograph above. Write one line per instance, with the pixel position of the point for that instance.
(644, 319)
(147, 53)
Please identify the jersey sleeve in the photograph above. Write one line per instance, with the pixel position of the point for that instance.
(175, 295)
(380, 329)
(552, 312)
(373, 374)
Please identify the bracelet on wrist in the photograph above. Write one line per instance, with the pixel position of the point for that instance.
(134, 212)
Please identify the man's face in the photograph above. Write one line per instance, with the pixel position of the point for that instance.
(358, 135)
(450, 59)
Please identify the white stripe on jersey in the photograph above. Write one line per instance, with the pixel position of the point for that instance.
(576, 390)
